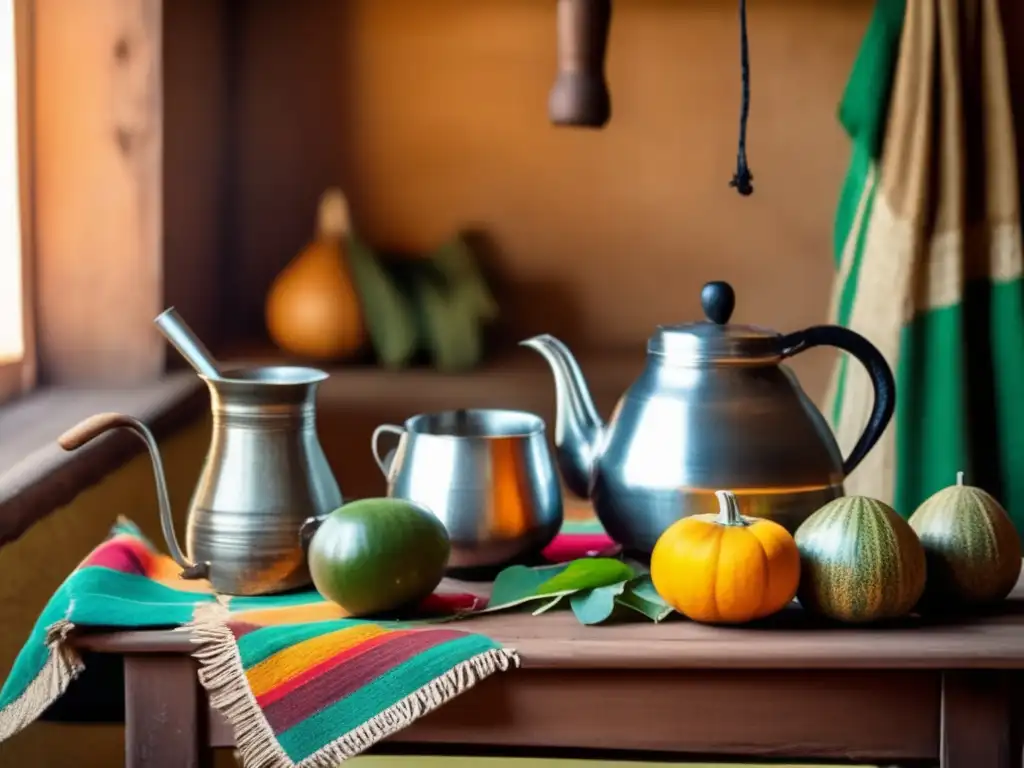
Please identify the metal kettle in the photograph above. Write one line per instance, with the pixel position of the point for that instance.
(265, 474)
(713, 408)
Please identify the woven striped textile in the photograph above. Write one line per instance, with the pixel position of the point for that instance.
(928, 252)
(301, 683)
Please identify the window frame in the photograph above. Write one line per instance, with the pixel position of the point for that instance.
(19, 376)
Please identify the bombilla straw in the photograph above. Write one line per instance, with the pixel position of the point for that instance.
(187, 343)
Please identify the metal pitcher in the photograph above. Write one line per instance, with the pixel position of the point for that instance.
(265, 474)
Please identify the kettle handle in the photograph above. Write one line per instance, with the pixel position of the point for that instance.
(878, 369)
(88, 430)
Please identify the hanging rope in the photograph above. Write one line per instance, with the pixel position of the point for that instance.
(743, 178)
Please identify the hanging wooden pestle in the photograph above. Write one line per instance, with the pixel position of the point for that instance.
(580, 95)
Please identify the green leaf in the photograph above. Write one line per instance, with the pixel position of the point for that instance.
(592, 606)
(587, 573)
(519, 582)
(654, 611)
(641, 596)
(597, 588)
(642, 586)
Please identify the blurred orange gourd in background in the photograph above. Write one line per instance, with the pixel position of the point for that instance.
(313, 308)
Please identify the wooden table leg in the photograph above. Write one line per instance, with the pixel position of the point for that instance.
(979, 728)
(165, 713)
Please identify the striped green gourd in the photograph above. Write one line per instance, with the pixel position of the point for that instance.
(859, 562)
(973, 550)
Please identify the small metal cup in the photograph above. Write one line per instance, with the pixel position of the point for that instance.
(487, 474)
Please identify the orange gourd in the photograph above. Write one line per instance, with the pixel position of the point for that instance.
(726, 568)
(313, 308)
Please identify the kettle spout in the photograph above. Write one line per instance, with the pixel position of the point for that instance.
(578, 428)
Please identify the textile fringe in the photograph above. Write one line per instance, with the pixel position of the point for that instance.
(223, 677)
(61, 668)
(458, 679)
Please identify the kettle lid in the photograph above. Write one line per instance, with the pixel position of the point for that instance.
(715, 340)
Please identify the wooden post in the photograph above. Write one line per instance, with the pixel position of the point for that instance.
(98, 139)
(978, 720)
(164, 713)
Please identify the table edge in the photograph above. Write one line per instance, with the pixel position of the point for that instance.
(570, 654)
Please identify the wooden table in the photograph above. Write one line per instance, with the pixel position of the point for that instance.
(911, 694)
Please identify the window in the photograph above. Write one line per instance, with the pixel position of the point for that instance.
(15, 362)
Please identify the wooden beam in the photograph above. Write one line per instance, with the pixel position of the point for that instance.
(24, 57)
(98, 139)
(196, 99)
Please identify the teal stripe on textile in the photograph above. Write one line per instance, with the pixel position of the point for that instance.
(931, 434)
(98, 596)
(864, 108)
(349, 713)
(590, 526)
(261, 644)
(264, 602)
(113, 611)
(961, 400)
(95, 596)
(99, 580)
(1006, 318)
(34, 654)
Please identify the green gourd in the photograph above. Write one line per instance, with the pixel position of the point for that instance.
(859, 562)
(973, 549)
(374, 556)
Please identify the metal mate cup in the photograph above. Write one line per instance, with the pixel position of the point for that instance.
(487, 474)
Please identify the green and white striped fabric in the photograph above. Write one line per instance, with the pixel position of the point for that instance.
(928, 252)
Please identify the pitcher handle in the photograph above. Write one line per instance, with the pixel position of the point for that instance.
(308, 530)
(392, 429)
(88, 430)
(878, 369)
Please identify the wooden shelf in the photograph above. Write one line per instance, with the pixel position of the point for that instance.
(516, 378)
(358, 398)
(37, 476)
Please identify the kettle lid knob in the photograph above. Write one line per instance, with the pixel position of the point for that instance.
(715, 340)
(718, 300)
